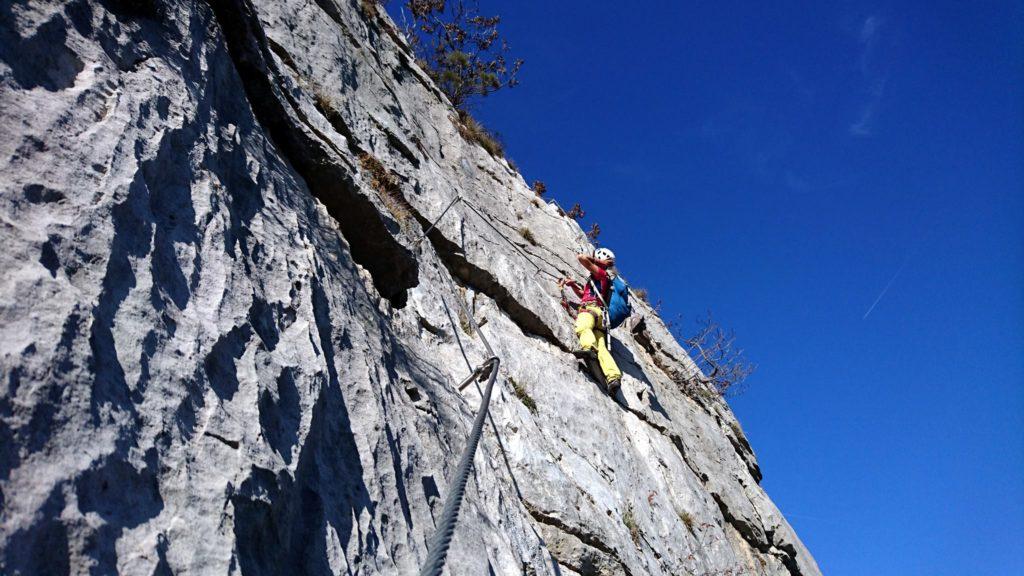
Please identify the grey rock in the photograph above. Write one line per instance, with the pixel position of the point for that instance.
(225, 351)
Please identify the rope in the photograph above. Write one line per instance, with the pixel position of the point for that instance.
(442, 538)
(440, 541)
(436, 220)
(437, 547)
(510, 243)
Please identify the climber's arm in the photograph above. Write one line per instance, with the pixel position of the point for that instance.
(593, 265)
(576, 288)
(590, 263)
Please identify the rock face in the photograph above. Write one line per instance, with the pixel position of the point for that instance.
(226, 350)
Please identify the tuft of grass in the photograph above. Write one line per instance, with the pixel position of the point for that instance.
(527, 235)
(369, 7)
(736, 430)
(475, 132)
(630, 521)
(464, 322)
(687, 520)
(700, 391)
(380, 178)
(387, 187)
(641, 294)
(523, 395)
(323, 101)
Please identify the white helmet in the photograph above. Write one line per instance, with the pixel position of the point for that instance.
(604, 254)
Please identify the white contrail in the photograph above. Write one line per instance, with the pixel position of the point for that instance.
(886, 289)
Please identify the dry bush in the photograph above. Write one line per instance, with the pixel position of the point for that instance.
(381, 180)
(387, 187)
(324, 102)
(539, 187)
(722, 365)
(369, 7)
(474, 132)
(594, 232)
(576, 212)
(736, 430)
(641, 294)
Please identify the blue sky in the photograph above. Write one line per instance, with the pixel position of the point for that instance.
(841, 184)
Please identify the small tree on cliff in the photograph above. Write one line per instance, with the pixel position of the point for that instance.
(464, 53)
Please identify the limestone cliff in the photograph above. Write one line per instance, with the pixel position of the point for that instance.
(224, 351)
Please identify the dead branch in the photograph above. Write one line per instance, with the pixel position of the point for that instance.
(721, 364)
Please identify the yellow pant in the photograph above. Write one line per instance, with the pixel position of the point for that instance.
(589, 324)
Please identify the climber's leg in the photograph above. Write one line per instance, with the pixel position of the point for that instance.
(611, 371)
(585, 322)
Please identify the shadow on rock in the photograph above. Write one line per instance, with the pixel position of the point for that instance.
(283, 525)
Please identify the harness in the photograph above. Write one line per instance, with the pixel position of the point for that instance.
(574, 308)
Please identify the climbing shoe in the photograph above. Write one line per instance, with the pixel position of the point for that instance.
(588, 360)
(588, 355)
(613, 386)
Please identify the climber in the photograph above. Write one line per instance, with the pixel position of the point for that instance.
(591, 320)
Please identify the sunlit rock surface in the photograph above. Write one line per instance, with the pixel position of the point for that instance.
(224, 351)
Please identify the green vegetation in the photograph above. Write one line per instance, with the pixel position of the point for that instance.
(523, 395)
(465, 55)
(464, 52)
(687, 520)
(630, 521)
